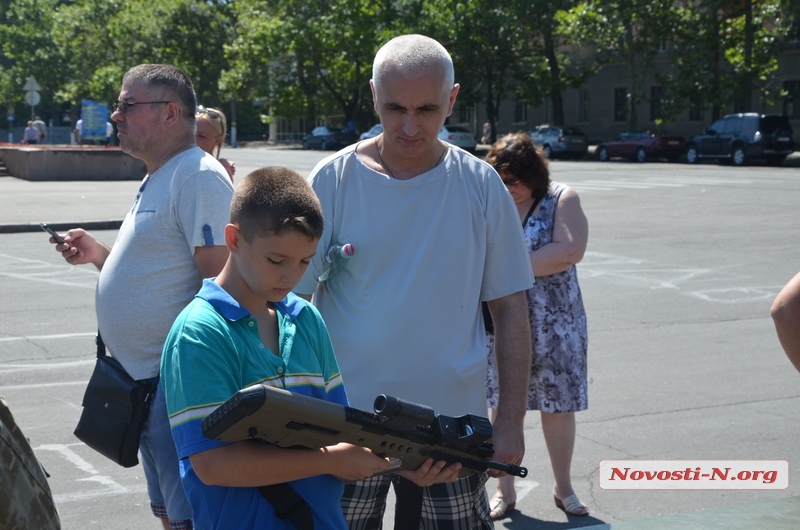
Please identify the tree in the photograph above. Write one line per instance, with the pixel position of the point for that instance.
(625, 32)
(27, 49)
(547, 69)
(101, 39)
(306, 58)
(722, 50)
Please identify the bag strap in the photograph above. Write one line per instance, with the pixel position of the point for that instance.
(101, 347)
(408, 510)
(530, 212)
(289, 505)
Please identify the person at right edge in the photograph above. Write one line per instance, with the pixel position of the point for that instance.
(556, 231)
(436, 233)
(785, 313)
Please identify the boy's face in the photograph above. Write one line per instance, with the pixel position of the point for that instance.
(272, 265)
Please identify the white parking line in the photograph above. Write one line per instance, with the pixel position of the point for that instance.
(110, 486)
(49, 337)
(42, 271)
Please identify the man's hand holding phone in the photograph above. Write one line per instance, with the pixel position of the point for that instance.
(54, 237)
(79, 247)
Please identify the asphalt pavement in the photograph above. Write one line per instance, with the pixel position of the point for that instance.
(682, 265)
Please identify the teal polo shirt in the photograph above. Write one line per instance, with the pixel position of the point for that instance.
(212, 351)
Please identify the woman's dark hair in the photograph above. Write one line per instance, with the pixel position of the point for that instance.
(515, 155)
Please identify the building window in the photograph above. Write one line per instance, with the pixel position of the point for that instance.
(583, 104)
(465, 113)
(696, 108)
(521, 112)
(621, 104)
(656, 102)
(791, 104)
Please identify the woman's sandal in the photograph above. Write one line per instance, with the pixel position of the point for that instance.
(572, 505)
(498, 508)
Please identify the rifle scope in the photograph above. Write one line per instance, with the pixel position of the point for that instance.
(403, 415)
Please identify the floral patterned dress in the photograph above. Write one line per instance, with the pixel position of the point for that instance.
(558, 328)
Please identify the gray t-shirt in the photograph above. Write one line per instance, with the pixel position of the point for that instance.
(151, 275)
(404, 314)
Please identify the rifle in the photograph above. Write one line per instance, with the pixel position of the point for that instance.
(406, 433)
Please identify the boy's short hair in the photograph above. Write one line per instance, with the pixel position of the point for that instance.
(274, 200)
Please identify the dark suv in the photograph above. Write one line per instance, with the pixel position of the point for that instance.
(741, 137)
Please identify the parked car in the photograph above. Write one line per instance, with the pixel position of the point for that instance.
(458, 136)
(641, 146)
(329, 138)
(560, 141)
(741, 137)
(372, 133)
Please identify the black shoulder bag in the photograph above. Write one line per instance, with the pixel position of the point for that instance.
(115, 407)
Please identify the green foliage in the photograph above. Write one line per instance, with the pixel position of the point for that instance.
(313, 58)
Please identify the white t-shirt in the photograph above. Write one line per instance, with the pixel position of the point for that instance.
(404, 315)
(151, 275)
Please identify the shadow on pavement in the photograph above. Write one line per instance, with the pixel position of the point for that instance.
(520, 521)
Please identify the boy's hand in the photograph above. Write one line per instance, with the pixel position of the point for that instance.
(355, 463)
(431, 472)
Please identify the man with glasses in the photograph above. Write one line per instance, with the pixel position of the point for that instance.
(172, 238)
(436, 233)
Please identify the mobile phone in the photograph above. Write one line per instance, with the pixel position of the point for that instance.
(52, 232)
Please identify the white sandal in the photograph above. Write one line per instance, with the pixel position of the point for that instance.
(498, 509)
(572, 505)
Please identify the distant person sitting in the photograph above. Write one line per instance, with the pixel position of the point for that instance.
(31, 135)
(785, 313)
(246, 326)
(211, 130)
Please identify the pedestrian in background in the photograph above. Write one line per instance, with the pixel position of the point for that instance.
(556, 232)
(436, 233)
(79, 131)
(41, 128)
(172, 238)
(211, 130)
(30, 135)
(487, 133)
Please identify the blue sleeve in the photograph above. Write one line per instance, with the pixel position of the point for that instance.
(198, 372)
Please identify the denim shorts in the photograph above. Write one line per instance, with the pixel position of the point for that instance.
(161, 466)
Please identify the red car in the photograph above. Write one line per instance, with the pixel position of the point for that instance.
(641, 146)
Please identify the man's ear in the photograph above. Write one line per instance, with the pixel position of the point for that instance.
(173, 114)
(452, 99)
(374, 95)
(232, 238)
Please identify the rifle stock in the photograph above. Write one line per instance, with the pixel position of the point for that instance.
(405, 432)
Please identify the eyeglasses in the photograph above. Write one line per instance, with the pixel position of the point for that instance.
(213, 114)
(123, 106)
(510, 182)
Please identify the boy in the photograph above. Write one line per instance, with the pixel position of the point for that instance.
(245, 327)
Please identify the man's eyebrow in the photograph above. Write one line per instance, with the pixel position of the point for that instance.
(427, 106)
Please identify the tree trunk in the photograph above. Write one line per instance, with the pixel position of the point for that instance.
(633, 100)
(555, 79)
(491, 109)
(747, 86)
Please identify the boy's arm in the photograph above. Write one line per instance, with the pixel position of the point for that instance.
(254, 464)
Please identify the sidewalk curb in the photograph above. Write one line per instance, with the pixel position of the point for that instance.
(111, 224)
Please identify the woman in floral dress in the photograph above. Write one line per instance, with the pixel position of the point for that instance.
(556, 231)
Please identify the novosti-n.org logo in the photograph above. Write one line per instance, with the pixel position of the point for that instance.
(694, 474)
